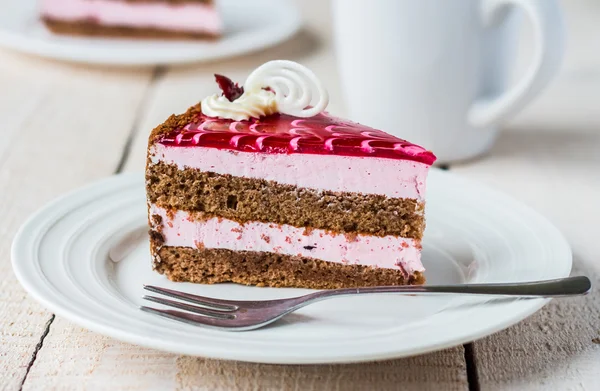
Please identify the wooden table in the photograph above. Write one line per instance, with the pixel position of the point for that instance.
(64, 125)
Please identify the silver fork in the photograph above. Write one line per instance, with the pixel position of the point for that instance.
(234, 315)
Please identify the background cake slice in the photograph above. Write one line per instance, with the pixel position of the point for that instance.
(298, 199)
(133, 18)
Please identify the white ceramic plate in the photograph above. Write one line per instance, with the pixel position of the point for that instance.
(249, 26)
(62, 256)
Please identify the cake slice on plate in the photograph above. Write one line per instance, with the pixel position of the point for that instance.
(194, 19)
(257, 187)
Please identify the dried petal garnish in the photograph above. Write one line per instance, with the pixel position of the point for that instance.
(231, 90)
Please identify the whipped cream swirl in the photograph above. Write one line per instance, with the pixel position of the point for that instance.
(279, 86)
(255, 105)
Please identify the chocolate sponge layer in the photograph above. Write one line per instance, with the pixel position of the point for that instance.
(245, 199)
(210, 266)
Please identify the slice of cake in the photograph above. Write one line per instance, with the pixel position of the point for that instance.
(257, 187)
(133, 18)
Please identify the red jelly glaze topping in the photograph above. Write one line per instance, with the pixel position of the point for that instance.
(280, 133)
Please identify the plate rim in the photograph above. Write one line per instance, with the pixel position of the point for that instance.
(19, 42)
(191, 349)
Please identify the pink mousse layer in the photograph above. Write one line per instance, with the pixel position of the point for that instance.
(367, 175)
(182, 17)
(389, 252)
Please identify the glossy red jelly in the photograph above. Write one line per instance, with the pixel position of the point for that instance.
(321, 134)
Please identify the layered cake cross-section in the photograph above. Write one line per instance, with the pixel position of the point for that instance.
(257, 187)
(193, 19)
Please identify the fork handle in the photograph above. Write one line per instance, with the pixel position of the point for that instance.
(570, 286)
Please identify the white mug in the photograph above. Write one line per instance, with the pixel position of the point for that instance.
(435, 72)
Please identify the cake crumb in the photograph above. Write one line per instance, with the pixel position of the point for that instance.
(351, 236)
(239, 231)
(157, 219)
(265, 238)
(171, 213)
(156, 237)
(199, 245)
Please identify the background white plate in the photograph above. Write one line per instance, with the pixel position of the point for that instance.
(62, 256)
(250, 25)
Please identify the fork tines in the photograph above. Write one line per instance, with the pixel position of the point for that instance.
(206, 312)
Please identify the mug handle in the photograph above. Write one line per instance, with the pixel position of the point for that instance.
(548, 29)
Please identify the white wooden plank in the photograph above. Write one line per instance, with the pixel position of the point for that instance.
(438, 371)
(78, 359)
(62, 126)
(552, 163)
